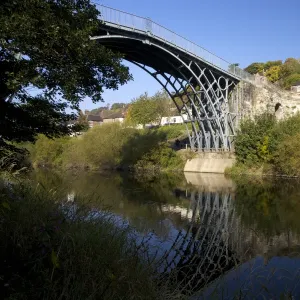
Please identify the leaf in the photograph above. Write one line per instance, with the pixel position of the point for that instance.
(54, 259)
(6, 205)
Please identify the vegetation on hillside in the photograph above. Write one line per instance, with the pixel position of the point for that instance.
(110, 146)
(285, 74)
(267, 143)
(45, 46)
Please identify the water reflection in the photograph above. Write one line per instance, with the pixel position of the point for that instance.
(202, 227)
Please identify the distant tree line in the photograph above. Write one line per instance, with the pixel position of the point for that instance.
(285, 74)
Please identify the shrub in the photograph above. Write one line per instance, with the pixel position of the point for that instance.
(163, 157)
(107, 147)
(287, 156)
(173, 131)
(291, 80)
(48, 152)
(255, 142)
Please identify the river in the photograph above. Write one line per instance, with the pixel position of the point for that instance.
(223, 238)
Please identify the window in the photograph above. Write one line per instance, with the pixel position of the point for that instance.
(174, 120)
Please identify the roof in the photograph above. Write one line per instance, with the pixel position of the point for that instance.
(94, 118)
(112, 114)
(297, 83)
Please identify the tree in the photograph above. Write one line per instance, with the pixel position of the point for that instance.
(255, 68)
(290, 66)
(273, 73)
(144, 109)
(272, 63)
(116, 106)
(45, 45)
(291, 80)
(96, 111)
(82, 123)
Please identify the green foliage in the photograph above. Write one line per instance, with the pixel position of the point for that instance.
(146, 110)
(173, 131)
(81, 123)
(291, 80)
(273, 73)
(107, 146)
(287, 156)
(117, 106)
(52, 249)
(48, 152)
(143, 110)
(270, 144)
(290, 66)
(255, 68)
(254, 141)
(45, 46)
(163, 157)
(286, 74)
(272, 63)
(100, 147)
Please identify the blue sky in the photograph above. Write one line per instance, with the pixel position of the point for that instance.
(240, 31)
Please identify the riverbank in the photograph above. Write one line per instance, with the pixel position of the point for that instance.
(55, 248)
(111, 147)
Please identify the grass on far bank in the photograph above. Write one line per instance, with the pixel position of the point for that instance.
(54, 249)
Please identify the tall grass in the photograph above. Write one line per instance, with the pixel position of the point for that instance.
(54, 249)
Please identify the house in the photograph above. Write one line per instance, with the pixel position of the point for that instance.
(173, 120)
(112, 116)
(296, 87)
(94, 120)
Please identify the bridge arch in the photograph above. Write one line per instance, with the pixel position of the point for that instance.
(203, 94)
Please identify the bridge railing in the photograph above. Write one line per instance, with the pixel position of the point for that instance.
(134, 22)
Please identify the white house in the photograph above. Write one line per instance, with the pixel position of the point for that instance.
(173, 120)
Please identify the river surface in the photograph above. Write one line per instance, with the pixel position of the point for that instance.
(222, 239)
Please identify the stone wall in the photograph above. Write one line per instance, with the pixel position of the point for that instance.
(266, 97)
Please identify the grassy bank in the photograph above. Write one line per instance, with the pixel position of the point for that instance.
(265, 146)
(111, 146)
(54, 249)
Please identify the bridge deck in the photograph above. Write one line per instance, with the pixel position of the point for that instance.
(138, 29)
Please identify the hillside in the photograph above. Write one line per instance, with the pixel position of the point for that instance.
(284, 74)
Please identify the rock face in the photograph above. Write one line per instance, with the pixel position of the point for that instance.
(266, 97)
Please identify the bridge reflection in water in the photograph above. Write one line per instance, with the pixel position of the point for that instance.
(204, 250)
(216, 242)
(205, 231)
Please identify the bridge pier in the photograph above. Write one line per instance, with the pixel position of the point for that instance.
(210, 162)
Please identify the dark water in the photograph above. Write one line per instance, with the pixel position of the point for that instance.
(220, 239)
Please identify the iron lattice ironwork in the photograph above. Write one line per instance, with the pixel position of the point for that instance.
(205, 90)
(210, 105)
(208, 247)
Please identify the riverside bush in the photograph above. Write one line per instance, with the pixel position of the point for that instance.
(254, 142)
(287, 156)
(107, 146)
(163, 156)
(266, 142)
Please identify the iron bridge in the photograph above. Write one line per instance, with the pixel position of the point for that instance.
(204, 87)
